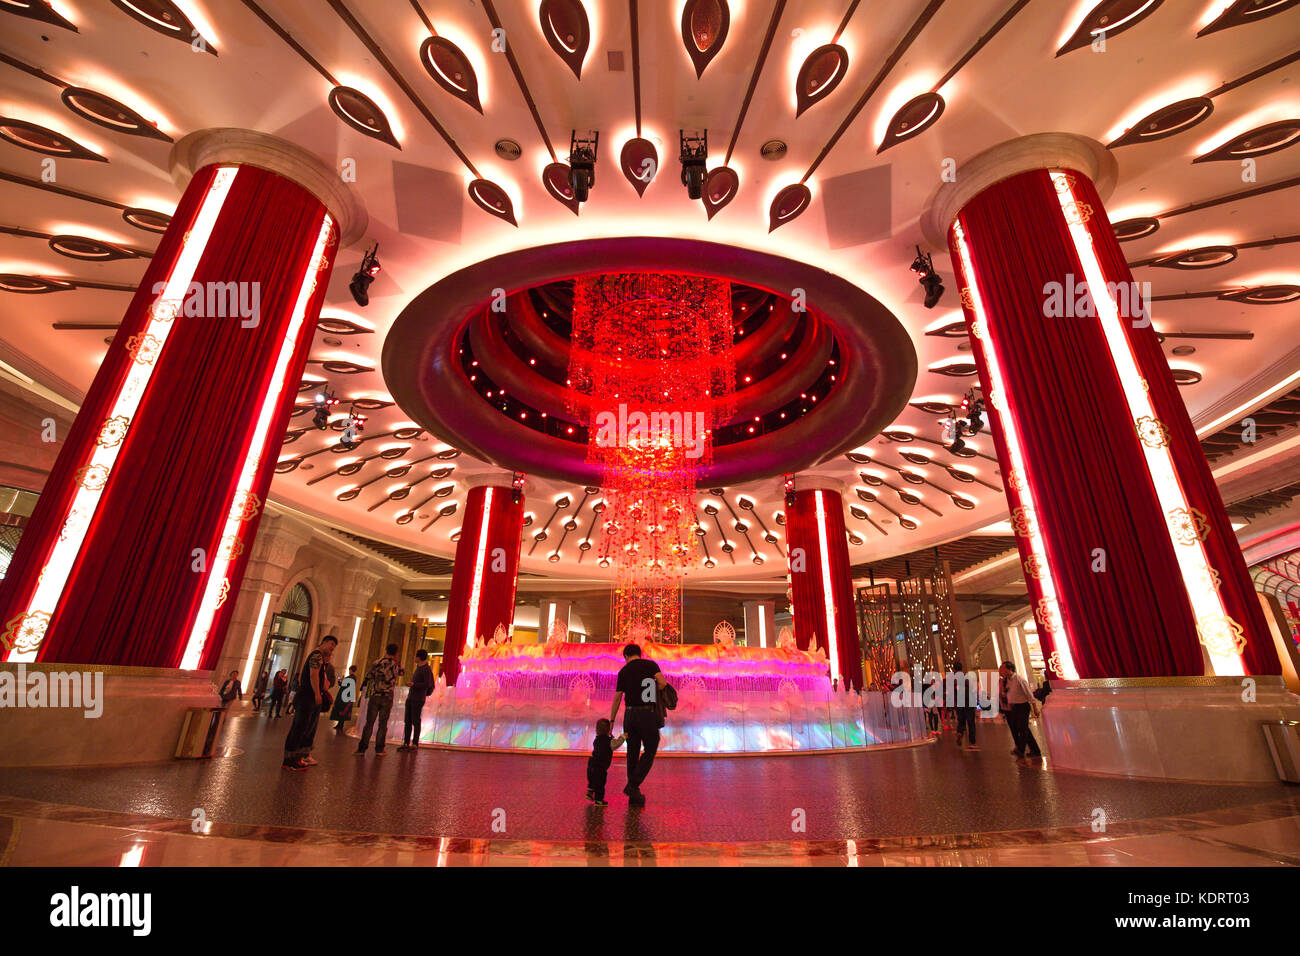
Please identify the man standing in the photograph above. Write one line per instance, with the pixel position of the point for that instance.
(640, 681)
(1017, 699)
(419, 691)
(963, 698)
(259, 691)
(307, 703)
(231, 689)
(378, 684)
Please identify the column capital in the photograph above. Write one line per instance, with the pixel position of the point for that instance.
(806, 482)
(250, 148)
(1039, 151)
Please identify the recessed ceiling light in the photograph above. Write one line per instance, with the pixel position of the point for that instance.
(508, 149)
(773, 149)
(332, 341)
(1184, 349)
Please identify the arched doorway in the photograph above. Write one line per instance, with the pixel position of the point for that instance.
(289, 630)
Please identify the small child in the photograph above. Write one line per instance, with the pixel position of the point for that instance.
(602, 755)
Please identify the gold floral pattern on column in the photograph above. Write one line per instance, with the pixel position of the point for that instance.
(1033, 567)
(1048, 613)
(113, 431)
(1188, 525)
(230, 548)
(1022, 520)
(1054, 664)
(1064, 181)
(1077, 213)
(1015, 480)
(966, 299)
(144, 349)
(244, 506)
(1222, 636)
(224, 592)
(91, 477)
(25, 632)
(165, 310)
(1152, 432)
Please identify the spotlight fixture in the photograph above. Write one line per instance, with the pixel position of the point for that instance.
(582, 163)
(694, 156)
(360, 284)
(923, 266)
(323, 401)
(953, 429)
(351, 436)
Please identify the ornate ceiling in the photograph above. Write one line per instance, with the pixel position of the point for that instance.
(830, 123)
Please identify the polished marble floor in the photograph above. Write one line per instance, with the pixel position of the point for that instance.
(929, 805)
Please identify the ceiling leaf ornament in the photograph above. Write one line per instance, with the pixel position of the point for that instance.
(788, 204)
(1265, 295)
(89, 250)
(451, 69)
(1139, 228)
(567, 32)
(555, 177)
(31, 285)
(1259, 141)
(1242, 12)
(1206, 257)
(704, 29)
(822, 71)
(107, 112)
(1108, 19)
(362, 114)
(163, 16)
(39, 10)
(39, 139)
(915, 116)
(639, 161)
(147, 219)
(1167, 121)
(720, 187)
(491, 198)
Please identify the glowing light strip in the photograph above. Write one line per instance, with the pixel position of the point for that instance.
(85, 503)
(1015, 451)
(1271, 392)
(828, 593)
(236, 520)
(1193, 563)
(762, 625)
(352, 650)
(480, 553)
(257, 634)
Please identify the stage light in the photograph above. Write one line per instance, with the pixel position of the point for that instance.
(694, 157)
(351, 436)
(923, 266)
(582, 163)
(975, 421)
(323, 401)
(360, 284)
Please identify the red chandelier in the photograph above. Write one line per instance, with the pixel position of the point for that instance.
(652, 374)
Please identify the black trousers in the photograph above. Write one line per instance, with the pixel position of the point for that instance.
(1018, 720)
(277, 701)
(642, 728)
(596, 777)
(377, 710)
(302, 732)
(966, 717)
(411, 729)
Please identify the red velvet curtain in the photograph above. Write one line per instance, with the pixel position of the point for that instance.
(133, 593)
(808, 579)
(487, 557)
(1086, 468)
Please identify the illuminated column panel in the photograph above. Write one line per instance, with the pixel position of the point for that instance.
(1129, 557)
(137, 546)
(486, 571)
(821, 582)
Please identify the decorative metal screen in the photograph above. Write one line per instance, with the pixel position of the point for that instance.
(945, 615)
(876, 613)
(915, 600)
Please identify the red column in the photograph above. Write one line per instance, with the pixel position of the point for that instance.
(822, 585)
(1129, 555)
(486, 571)
(140, 537)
